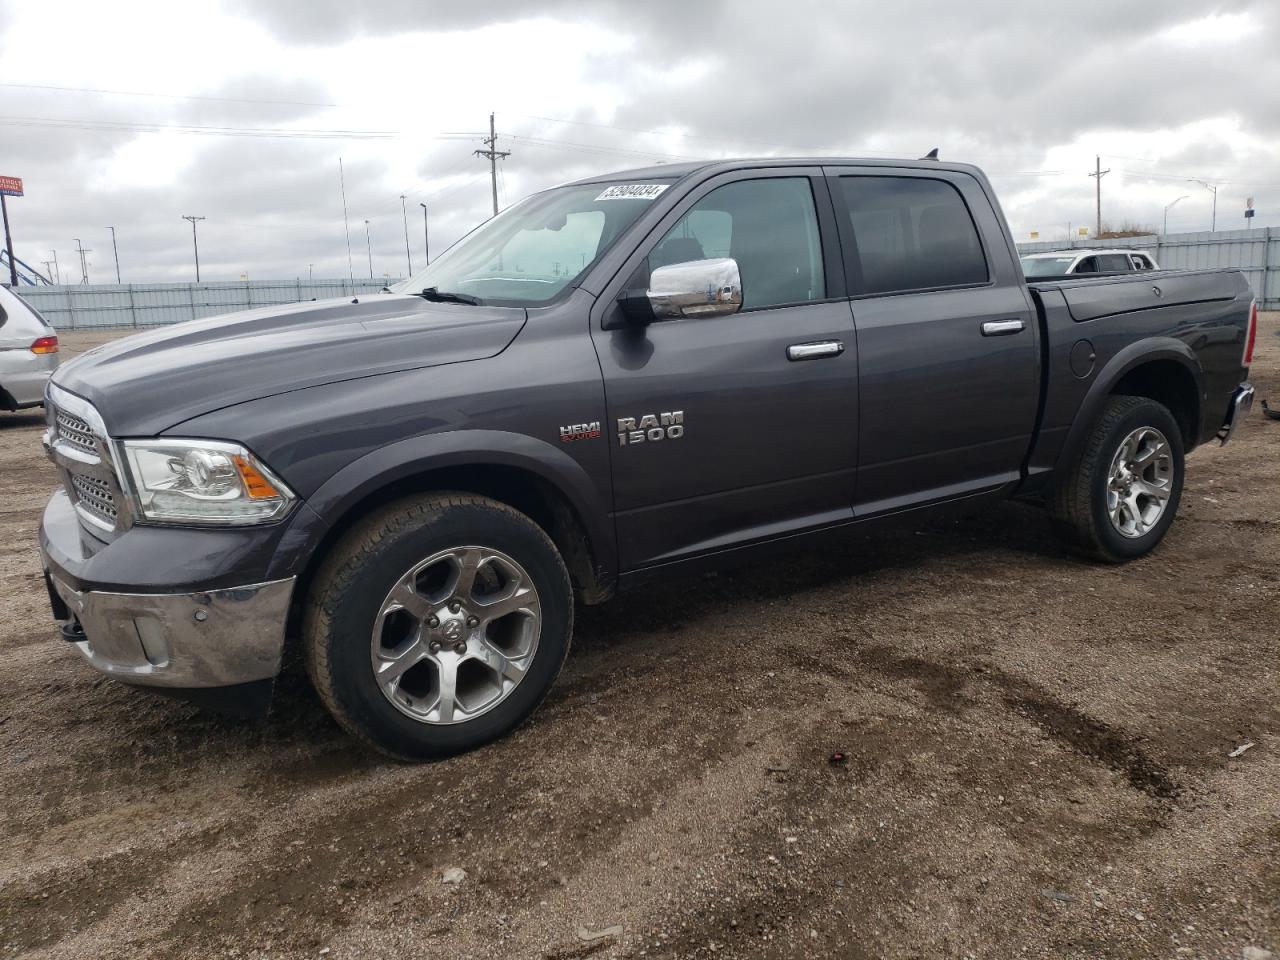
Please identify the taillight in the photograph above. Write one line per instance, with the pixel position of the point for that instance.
(1252, 335)
(45, 345)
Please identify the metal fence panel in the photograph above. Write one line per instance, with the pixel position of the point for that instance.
(1254, 252)
(87, 306)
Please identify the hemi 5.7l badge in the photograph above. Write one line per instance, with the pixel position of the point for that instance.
(650, 428)
(580, 431)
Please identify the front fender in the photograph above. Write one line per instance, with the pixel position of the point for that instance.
(469, 448)
(1128, 358)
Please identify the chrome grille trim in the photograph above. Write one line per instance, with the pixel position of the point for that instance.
(96, 498)
(75, 431)
(78, 444)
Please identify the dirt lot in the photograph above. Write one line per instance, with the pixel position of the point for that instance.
(1037, 765)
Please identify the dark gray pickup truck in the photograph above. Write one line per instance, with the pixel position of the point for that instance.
(654, 372)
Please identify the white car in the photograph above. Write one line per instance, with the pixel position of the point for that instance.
(28, 353)
(1064, 263)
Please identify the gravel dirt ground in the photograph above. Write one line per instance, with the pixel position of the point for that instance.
(1039, 764)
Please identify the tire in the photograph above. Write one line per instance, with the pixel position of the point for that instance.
(1081, 505)
(368, 614)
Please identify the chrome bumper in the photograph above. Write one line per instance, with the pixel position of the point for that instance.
(1241, 404)
(180, 640)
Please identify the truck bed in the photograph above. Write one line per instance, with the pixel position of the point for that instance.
(1090, 326)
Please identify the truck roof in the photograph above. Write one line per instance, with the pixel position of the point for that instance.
(679, 171)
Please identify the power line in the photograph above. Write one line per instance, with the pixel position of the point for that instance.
(164, 96)
(284, 133)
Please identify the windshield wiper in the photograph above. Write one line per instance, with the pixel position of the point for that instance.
(436, 295)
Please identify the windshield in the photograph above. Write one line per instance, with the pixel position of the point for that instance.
(1046, 266)
(533, 250)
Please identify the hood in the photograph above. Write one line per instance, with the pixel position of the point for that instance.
(148, 382)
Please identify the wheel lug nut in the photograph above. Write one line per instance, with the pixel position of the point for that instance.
(454, 606)
(473, 621)
(433, 622)
(434, 646)
(459, 648)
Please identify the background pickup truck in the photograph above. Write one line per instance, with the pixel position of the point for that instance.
(652, 372)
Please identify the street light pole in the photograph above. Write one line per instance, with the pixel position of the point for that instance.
(426, 240)
(404, 211)
(57, 269)
(195, 243)
(115, 251)
(368, 245)
(1213, 227)
(1166, 214)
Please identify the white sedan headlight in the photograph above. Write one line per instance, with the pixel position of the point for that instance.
(202, 481)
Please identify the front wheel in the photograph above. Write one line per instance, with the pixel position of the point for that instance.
(438, 624)
(1118, 501)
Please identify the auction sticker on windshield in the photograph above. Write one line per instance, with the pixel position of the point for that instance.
(632, 191)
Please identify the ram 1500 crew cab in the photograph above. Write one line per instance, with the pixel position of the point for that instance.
(651, 372)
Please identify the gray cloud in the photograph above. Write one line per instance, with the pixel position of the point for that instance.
(1003, 85)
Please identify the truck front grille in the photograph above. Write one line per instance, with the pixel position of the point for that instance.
(74, 431)
(95, 496)
(79, 447)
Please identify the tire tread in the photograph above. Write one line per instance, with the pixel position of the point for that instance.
(359, 546)
(1071, 501)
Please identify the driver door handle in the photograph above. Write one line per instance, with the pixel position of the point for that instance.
(815, 351)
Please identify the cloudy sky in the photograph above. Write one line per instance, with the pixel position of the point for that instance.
(134, 114)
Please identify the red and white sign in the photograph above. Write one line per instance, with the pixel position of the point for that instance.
(11, 186)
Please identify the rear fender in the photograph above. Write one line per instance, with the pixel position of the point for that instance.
(1127, 359)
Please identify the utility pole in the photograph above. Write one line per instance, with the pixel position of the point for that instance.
(1098, 174)
(311, 275)
(368, 245)
(115, 251)
(493, 154)
(195, 243)
(84, 264)
(56, 269)
(1209, 186)
(48, 268)
(404, 212)
(426, 240)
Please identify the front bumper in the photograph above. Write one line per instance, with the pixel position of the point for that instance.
(170, 608)
(218, 638)
(1237, 410)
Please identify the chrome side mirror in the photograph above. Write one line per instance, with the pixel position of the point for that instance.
(697, 288)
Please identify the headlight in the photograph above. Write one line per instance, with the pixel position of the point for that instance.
(202, 481)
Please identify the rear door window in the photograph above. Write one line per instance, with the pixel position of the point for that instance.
(1087, 265)
(911, 233)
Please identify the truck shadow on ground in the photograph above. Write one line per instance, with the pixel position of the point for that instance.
(172, 728)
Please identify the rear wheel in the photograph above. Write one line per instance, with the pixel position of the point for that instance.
(438, 624)
(1118, 501)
